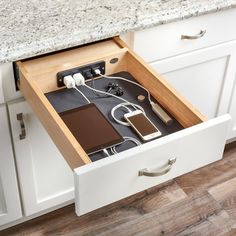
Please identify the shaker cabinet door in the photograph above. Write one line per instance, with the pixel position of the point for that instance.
(45, 178)
(10, 207)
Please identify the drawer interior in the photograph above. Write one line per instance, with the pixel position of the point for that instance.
(67, 99)
(38, 82)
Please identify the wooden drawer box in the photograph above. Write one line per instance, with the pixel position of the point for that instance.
(107, 180)
(165, 40)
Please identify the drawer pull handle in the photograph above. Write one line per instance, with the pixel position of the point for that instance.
(146, 172)
(19, 117)
(197, 36)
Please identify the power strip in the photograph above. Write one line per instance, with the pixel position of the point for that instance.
(87, 71)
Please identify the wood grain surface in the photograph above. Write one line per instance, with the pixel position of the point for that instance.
(202, 202)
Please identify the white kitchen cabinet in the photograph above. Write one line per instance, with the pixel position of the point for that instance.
(115, 177)
(10, 207)
(201, 67)
(45, 178)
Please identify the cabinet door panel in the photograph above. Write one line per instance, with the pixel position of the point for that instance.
(10, 208)
(205, 77)
(201, 84)
(45, 178)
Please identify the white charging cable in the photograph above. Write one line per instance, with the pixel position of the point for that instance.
(109, 94)
(98, 72)
(126, 139)
(157, 109)
(105, 151)
(78, 80)
(124, 105)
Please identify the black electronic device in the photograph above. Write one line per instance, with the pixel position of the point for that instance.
(115, 89)
(91, 128)
(111, 86)
(118, 91)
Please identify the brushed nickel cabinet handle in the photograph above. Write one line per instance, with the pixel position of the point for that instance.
(146, 172)
(19, 117)
(197, 36)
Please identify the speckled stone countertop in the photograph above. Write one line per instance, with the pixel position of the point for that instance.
(33, 27)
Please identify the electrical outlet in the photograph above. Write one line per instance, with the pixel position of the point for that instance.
(86, 71)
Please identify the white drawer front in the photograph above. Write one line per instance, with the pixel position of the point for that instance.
(111, 179)
(165, 40)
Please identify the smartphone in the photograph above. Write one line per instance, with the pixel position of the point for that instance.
(142, 125)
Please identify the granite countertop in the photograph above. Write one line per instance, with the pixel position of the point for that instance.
(31, 27)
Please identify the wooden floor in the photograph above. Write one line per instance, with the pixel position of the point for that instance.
(199, 203)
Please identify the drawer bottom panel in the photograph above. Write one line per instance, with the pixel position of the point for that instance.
(66, 99)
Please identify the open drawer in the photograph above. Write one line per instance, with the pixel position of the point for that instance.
(118, 176)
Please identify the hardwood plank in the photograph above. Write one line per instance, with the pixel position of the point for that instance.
(225, 194)
(105, 218)
(216, 224)
(223, 191)
(232, 232)
(211, 175)
(165, 196)
(170, 220)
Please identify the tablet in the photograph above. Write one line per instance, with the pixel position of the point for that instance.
(91, 128)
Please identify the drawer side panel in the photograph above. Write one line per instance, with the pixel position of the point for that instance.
(58, 131)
